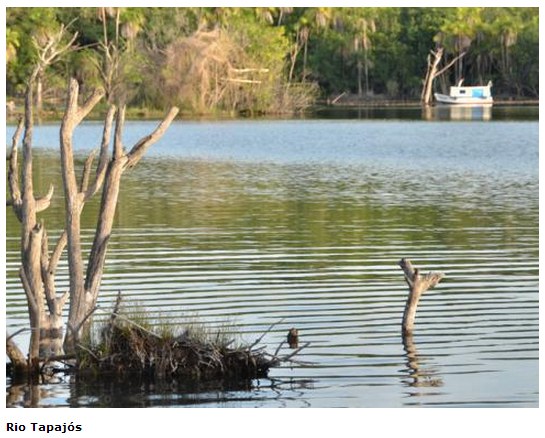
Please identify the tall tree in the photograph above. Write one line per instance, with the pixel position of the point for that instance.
(363, 26)
(458, 32)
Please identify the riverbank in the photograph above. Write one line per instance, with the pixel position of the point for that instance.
(50, 113)
(352, 100)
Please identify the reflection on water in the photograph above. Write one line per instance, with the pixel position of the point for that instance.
(244, 224)
(457, 112)
(496, 112)
(421, 376)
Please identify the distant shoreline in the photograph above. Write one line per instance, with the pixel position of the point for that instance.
(373, 103)
(54, 114)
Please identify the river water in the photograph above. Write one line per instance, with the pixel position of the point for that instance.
(301, 223)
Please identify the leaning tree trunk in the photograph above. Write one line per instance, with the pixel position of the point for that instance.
(433, 73)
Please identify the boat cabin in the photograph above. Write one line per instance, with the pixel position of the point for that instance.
(460, 95)
(478, 92)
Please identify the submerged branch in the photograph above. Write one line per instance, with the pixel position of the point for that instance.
(258, 340)
(418, 284)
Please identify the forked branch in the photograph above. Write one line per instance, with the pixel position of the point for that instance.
(418, 284)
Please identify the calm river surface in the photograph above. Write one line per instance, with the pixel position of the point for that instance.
(302, 223)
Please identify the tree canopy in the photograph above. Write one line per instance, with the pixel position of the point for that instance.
(208, 59)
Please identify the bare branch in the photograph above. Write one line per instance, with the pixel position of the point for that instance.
(47, 279)
(75, 330)
(68, 122)
(446, 67)
(289, 356)
(21, 330)
(258, 340)
(73, 198)
(87, 172)
(409, 271)
(44, 202)
(61, 301)
(89, 104)
(49, 50)
(48, 267)
(75, 114)
(103, 156)
(57, 252)
(140, 148)
(32, 304)
(95, 264)
(118, 141)
(28, 214)
(13, 171)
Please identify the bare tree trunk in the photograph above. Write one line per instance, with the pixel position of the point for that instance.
(38, 268)
(30, 244)
(418, 284)
(432, 73)
(366, 68)
(34, 269)
(359, 66)
(84, 288)
(39, 96)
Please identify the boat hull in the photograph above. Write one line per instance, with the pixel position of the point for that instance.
(466, 100)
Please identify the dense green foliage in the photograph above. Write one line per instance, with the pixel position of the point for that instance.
(270, 59)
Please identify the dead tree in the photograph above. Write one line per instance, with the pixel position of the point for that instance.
(84, 288)
(38, 264)
(48, 48)
(418, 284)
(432, 73)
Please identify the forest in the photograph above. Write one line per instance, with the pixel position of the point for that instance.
(266, 60)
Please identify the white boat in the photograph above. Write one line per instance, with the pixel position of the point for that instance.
(460, 95)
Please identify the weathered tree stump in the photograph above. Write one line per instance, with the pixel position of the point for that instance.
(418, 284)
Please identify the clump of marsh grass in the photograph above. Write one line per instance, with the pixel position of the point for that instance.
(128, 345)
